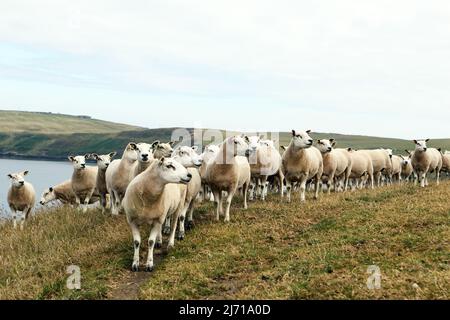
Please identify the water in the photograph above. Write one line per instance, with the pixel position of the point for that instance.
(43, 174)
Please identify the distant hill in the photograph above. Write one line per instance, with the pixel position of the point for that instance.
(54, 136)
(54, 123)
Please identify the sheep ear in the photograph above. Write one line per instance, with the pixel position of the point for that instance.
(172, 143)
(161, 161)
(133, 146)
(332, 140)
(308, 131)
(10, 176)
(284, 148)
(50, 189)
(427, 140)
(112, 154)
(349, 149)
(415, 141)
(87, 156)
(408, 152)
(71, 158)
(246, 139)
(155, 144)
(293, 133)
(94, 156)
(26, 172)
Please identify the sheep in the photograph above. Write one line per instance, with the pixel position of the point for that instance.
(21, 197)
(265, 161)
(229, 171)
(407, 168)
(302, 162)
(144, 158)
(162, 149)
(362, 168)
(337, 164)
(103, 162)
(426, 160)
(207, 156)
(396, 170)
(62, 192)
(446, 162)
(84, 180)
(381, 162)
(188, 157)
(151, 197)
(118, 176)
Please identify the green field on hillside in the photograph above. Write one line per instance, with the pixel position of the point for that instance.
(315, 250)
(54, 136)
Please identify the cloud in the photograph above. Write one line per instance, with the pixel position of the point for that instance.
(335, 60)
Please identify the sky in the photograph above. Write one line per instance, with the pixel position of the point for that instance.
(358, 67)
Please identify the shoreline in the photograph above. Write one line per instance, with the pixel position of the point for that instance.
(30, 157)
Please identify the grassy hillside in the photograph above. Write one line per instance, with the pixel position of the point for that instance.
(51, 123)
(274, 250)
(54, 136)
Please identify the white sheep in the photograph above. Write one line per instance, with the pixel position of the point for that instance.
(407, 168)
(229, 172)
(446, 162)
(395, 173)
(103, 162)
(119, 176)
(188, 158)
(150, 198)
(362, 169)
(84, 180)
(62, 192)
(426, 160)
(265, 161)
(208, 155)
(21, 197)
(337, 164)
(381, 162)
(302, 162)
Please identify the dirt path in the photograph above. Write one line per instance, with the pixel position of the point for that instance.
(129, 285)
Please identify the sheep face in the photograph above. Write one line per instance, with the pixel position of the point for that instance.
(17, 179)
(238, 144)
(79, 162)
(162, 149)
(253, 143)
(131, 152)
(188, 157)
(389, 152)
(421, 145)
(325, 145)
(172, 171)
(301, 139)
(210, 152)
(144, 152)
(103, 161)
(47, 196)
(405, 161)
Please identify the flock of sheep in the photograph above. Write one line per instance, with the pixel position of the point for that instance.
(159, 185)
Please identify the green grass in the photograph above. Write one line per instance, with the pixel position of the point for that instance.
(274, 250)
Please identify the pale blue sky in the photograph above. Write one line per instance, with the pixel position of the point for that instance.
(360, 67)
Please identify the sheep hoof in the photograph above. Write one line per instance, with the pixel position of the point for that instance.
(158, 245)
(166, 231)
(149, 269)
(190, 225)
(135, 267)
(180, 236)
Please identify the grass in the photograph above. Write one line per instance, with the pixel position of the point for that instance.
(274, 250)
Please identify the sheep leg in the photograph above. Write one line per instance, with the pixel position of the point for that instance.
(87, 200)
(167, 224)
(190, 220)
(137, 244)
(438, 173)
(22, 219)
(317, 187)
(263, 182)
(103, 201)
(288, 190)
(156, 228)
(218, 200)
(173, 227)
(182, 218)
(252, 191)
(303, 190)
(228, 201)
(281, 178)
(78, 201)
(14, 218)
(245, 187)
